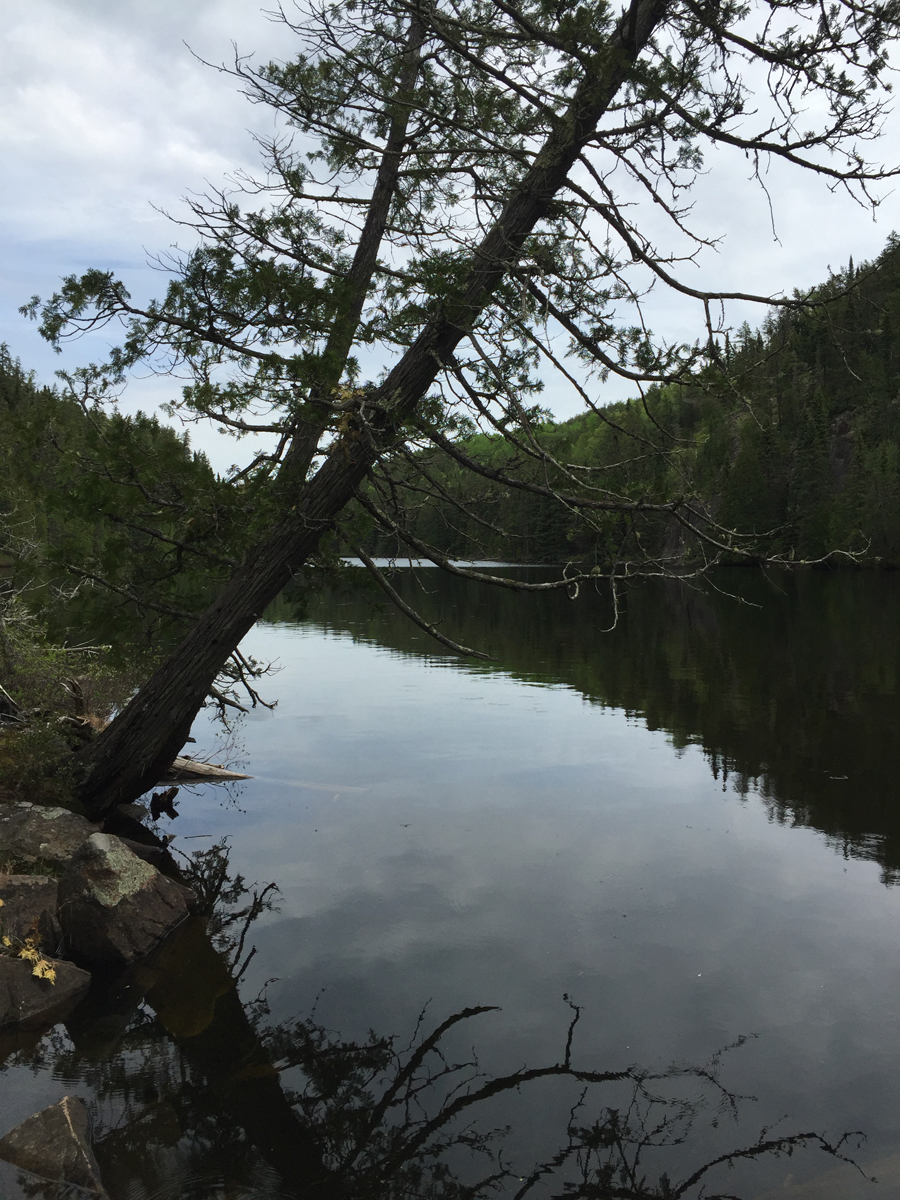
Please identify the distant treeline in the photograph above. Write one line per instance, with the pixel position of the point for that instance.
(795, 438)
(88, 494)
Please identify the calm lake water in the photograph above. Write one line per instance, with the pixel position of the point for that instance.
(689, 826)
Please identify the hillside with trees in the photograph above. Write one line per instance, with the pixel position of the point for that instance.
(792, 440)
(118, 506)
(113, 533)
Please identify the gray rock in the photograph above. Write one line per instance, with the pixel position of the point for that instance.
(114, 907)
(54, 1144)
(28, 909)
(34, 835)
(137, 812)
(27, 1000)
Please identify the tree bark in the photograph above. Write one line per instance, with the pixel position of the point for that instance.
(134, 750)
(355, 284)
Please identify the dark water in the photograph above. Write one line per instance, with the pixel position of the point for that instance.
(688, 826)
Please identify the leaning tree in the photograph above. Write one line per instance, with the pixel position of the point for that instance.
(467, 198)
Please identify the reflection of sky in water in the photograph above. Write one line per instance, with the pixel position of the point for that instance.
(510, 843)
(452, 834)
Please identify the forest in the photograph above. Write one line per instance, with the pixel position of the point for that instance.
(796, 441)
(793, 440)
(100, 503)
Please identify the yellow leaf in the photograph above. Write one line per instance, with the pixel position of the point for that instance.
(43, 970)
(7, 941)
(29, 952)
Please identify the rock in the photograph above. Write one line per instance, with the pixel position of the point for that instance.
(54, 1144)
(27, 1000)
(114, 907)
(32, 835)
(28, 909)
(136, 812)
(138, 837)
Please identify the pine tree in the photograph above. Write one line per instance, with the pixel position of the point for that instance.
(445, 219)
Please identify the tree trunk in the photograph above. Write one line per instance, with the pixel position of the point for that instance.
(134, 750)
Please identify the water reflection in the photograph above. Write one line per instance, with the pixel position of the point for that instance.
(454, 858)
(196, 1093)
(788, 682)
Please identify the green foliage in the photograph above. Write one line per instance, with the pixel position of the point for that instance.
(88, 495)
(811, 460)
(43, 677)
(53, 697)
(792, 441)
(31, 767)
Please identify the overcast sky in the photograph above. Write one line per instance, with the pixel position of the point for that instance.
(104, 113)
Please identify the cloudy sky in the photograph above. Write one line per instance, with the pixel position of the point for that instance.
(105, 113)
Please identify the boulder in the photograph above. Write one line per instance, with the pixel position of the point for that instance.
(27, 1000)
(114, 907)
(28, 910)
(54, 1144)
(33, 835)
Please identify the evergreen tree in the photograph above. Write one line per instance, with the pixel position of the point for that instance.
(451, 201)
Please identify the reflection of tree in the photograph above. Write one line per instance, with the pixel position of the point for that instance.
(391, 1122)
(792, 691)
(193, 1090)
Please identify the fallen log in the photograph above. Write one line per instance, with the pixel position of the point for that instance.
(192, 770)
(181, 770)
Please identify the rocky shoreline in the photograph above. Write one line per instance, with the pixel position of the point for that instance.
(79, 903)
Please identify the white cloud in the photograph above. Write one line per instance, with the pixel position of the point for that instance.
(99, 120)
(105, 112)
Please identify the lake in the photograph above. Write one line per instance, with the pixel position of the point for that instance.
(686, 829)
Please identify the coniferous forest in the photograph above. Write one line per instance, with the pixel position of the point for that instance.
(101, 502)
(795, 440)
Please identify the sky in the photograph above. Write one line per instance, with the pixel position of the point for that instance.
(107, 116)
